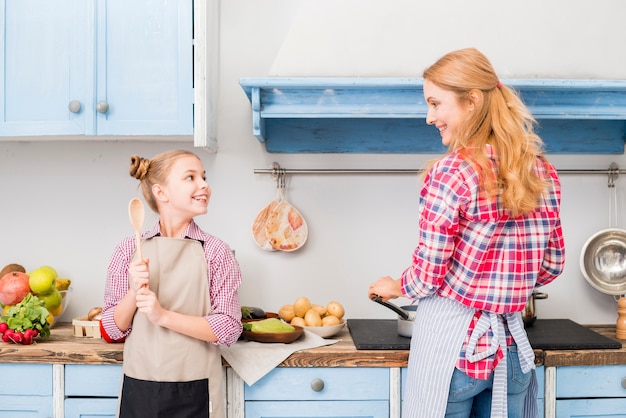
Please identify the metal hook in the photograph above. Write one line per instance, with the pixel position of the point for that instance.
(275, 170)
(613, 174)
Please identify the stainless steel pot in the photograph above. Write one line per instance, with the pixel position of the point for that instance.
(406, 316)
(530, 314)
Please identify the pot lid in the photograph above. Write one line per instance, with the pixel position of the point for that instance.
(603, 261)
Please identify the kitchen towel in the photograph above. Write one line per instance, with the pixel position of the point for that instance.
(253, 360)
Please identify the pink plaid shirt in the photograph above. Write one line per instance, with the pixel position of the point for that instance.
(471, 251)
(223, 281)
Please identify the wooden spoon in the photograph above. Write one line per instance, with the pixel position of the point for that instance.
(137, 213)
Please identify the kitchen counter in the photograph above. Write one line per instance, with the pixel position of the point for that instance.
(63, 348)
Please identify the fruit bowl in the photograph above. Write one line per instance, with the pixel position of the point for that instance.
(273, 337)
(66, 297)
(49, 300)
(327, 331)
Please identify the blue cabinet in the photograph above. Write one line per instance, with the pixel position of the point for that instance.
(96, 68)
(320, 392)
(92, 390)
(539, 370)
(591, 391)
(26, 391)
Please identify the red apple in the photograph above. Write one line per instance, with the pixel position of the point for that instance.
(13, 287)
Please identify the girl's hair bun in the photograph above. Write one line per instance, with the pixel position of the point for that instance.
(138, 167)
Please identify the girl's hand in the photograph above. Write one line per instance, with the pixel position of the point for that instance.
(138, 274)
(148, 304)
(385, 287)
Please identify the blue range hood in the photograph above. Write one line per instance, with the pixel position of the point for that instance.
(387, 115)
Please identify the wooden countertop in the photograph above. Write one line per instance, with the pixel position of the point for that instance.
(63, 348)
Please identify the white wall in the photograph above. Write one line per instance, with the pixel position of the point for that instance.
(65, 204)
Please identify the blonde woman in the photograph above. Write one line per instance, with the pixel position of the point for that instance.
(489, 233)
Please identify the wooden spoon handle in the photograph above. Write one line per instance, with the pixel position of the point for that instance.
(138, 241)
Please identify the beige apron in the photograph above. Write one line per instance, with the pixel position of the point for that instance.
(178, 277)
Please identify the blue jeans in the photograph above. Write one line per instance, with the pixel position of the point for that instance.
(471, 397)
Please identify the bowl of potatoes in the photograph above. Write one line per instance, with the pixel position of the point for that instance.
(324, 321)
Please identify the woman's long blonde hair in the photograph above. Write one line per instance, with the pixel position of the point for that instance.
(499, 118)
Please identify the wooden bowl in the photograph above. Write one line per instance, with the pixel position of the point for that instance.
(273, 337)
(267, 315)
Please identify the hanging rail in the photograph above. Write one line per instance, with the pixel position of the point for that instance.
(612, 171)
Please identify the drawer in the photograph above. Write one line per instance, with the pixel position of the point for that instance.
(90, 407)
(591, 382)
(587, 408)
(326, 409)
(94, 380)
(539, 371)
(314, 383)
(26, 379)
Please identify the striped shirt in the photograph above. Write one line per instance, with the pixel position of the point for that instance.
(224, 278)
(471, 251)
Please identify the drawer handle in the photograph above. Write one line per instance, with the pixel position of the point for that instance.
(624, 382)
(102, 106)
(74, 106)
(317, 385)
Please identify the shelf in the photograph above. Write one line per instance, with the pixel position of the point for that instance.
(387, 115)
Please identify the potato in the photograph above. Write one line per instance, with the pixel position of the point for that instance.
(312, 318)
(335, 309)
(297, 321)
(330, 320)
(301, 306)
(286, 313)
(319, 308)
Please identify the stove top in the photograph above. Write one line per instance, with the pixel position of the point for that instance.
(546, 334)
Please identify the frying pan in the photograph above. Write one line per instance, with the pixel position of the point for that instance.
(406, 316)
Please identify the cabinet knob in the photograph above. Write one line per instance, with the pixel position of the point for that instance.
(317, 385)
(102, 106)
(624, 382)
(74, 106)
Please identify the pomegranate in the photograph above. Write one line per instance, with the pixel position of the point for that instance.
(13, 287)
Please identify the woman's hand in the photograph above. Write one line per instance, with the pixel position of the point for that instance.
(148, 304)
(385, 287)
(138, 274)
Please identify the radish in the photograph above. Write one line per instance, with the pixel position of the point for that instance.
(6, 337)
(3, 327)
(17, 337)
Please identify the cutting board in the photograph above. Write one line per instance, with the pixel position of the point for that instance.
(545, 334)
(565, 334)
(377, 334)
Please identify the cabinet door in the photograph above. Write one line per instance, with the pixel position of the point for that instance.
(588, 408)
(93, 380)
(144, 68)
(25, 406)
(45, 66)
(325, 409)
(90, 407)
(26, 391)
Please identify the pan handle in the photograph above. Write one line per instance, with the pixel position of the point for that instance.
(391, 306)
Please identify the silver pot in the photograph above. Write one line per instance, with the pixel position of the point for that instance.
(406, 316)
(530, 314)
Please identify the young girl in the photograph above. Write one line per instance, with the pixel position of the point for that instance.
(173, 307)
(489, 233)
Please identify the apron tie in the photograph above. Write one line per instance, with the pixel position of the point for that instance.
(495, 322)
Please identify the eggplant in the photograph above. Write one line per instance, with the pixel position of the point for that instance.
(252, 312)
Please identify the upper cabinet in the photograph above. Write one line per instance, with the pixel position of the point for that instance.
(96, 68)
(387, 115)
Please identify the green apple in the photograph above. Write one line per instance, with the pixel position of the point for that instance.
(42, 280)
(51, 300)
